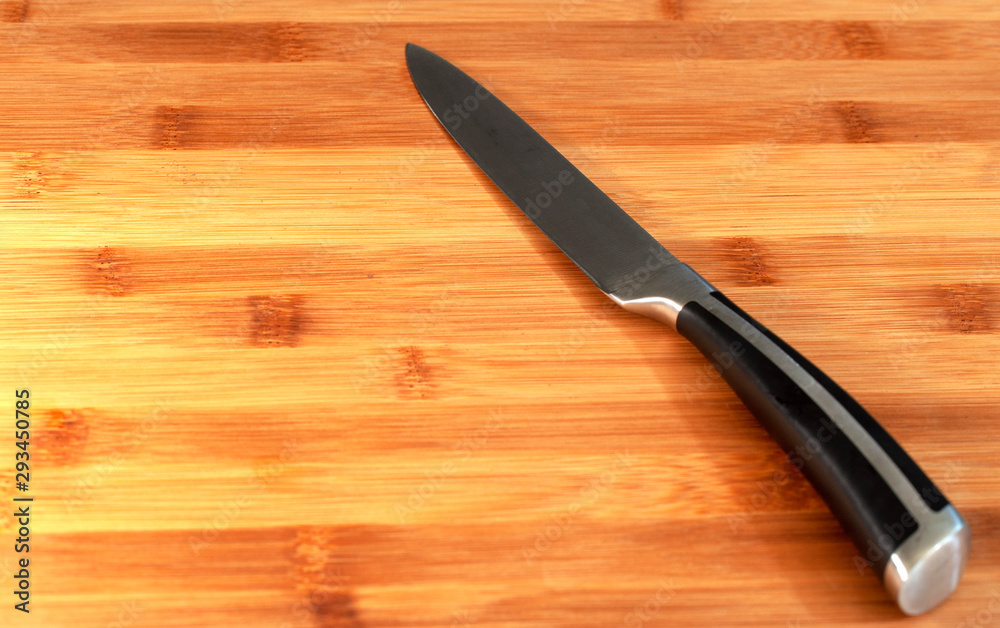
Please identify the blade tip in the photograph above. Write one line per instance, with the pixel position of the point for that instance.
(412, 52)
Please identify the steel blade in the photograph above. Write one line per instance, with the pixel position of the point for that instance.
(591, 229)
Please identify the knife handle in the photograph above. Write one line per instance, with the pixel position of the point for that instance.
(904, 527)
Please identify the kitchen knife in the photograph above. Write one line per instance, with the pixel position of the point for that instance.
(904, 527)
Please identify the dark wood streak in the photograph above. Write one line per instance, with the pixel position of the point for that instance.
(275, 321)
(14, 11)
(320, 581)
(673, 9)
(258, 125)
(29, 176)
(749, 261)
(112, 271)
(966, 309)
(857, 122)
(860, 40)
(414, 377)
(288, 42)
(170, 124)
(63, 436)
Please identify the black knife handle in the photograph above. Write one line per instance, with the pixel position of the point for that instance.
(904, 527)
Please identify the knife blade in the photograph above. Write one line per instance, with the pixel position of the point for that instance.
(903, 526)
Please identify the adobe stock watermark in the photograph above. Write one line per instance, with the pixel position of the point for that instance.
(407, 164)
(420, 322)
(610, 132)
(985, 615)
(578, 337)
(212, 185)
(644, 613)
(627, 287)
(722, 361)
(902, 12)
(911, 343)
(327, 584)
(229, 512)
(461, 111)
(708, 34)
(566, 9)
(59, 341)
(894, 531)
(129, 442)
(590, 492)
(909, 173)
(767, 490)
(755, 156)
(365, 35)
(128, 613)
(712, 371)
(41, 14)
(420, 496)
(551, 190)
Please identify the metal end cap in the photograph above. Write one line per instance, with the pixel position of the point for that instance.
(926, 568)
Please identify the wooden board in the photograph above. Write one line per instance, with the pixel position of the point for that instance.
(294, 361)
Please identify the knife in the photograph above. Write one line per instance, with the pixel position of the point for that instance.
(903, 526)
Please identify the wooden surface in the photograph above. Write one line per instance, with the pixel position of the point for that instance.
(294, 361)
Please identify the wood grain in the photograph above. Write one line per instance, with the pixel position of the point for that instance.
(294, 361)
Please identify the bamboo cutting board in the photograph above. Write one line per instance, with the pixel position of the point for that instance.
(294, 361)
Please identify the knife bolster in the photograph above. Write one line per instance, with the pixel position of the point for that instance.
(661, 296)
